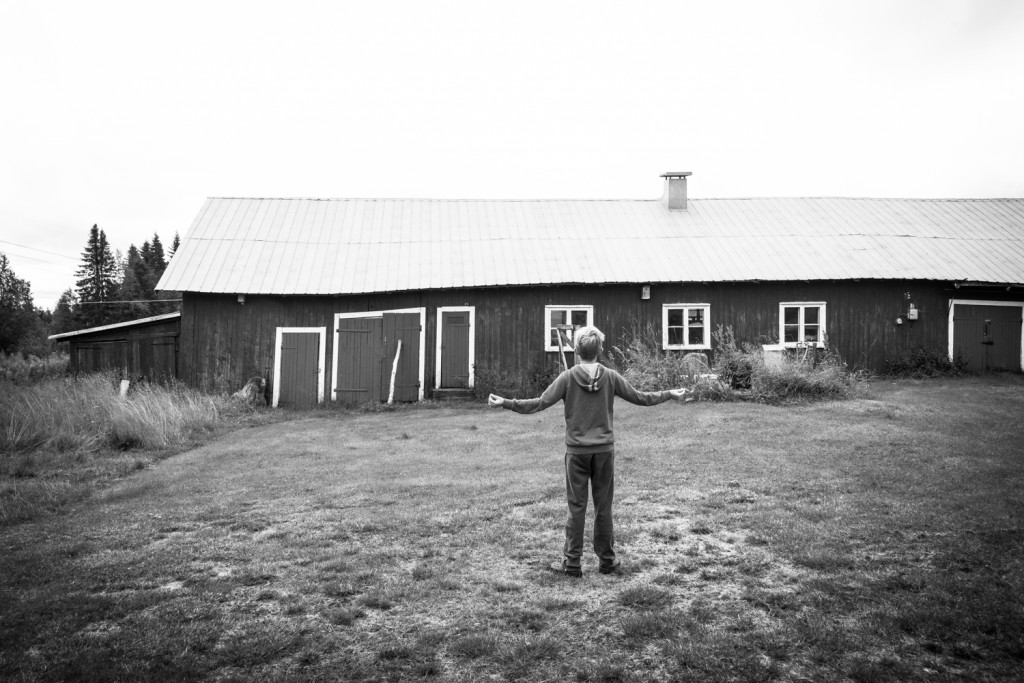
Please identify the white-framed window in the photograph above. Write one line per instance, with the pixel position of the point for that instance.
(685, 326)
(577, 316)
(802, 323)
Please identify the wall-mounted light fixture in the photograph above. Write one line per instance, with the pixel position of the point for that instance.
(241, 299)
(645, 292)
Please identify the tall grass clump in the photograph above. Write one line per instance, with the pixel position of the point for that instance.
(88, 414)
(648, 367)
(645, 365)
(18, 369)
(790, 376)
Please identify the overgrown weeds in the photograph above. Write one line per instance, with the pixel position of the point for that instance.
(88, 414)
(58, 435)
(921, 362)
(738, 371)
(785, 376)
(646, 366)
(23, 370)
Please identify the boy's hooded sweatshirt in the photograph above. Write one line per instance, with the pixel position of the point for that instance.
(589, 405)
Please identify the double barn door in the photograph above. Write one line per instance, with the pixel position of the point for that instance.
(369, 355)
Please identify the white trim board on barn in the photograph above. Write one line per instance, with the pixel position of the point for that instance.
(1013, 328)
(321, 355)
(471, 353)
(366, 334)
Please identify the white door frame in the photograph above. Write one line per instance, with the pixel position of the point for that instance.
(279, 337)
(338, 317)
(472, 343)
(977, 302)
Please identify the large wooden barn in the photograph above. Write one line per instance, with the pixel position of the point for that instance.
(315, 294)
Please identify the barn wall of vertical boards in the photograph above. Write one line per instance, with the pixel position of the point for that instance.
(224, 342)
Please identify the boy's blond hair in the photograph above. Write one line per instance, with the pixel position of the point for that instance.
(589, 342)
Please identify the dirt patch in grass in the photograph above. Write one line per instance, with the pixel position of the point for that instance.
(874, 539)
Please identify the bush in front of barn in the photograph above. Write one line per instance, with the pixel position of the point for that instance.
(739, 370)
(645, 365)
(817, 374)
(921, 362)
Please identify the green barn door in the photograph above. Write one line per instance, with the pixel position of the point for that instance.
(404, 326)
(358, 375)
(300, 371)
(454, 349)
(988, 337)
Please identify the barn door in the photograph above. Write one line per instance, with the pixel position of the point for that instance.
(455, 359)
(404, 326)
(988, 337)
(300, 370)
(360, 352)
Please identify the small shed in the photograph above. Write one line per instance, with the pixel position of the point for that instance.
(144, 348)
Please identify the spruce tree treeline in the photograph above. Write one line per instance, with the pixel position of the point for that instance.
(128, 283)
(22, 325)
(108, 289)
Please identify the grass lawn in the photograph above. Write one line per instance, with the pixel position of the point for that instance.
(868, 540)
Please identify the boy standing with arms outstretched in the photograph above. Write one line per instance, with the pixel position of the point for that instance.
(589, 390)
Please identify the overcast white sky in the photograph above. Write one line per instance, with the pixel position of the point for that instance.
(130, 114)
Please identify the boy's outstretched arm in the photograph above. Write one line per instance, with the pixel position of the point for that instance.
(552, 395)
(625, 390)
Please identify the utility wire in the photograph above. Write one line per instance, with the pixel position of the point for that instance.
(134, 301)
(25, 246)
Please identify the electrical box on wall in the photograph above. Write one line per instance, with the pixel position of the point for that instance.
(912, 312)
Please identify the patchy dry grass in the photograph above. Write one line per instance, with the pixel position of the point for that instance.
(60, 439)
(878, 539)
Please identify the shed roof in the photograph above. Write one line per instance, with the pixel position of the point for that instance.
(140, 322)
(350, 246)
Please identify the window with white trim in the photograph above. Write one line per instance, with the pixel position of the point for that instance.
(685, 326)
(577, 316)
(802, 323)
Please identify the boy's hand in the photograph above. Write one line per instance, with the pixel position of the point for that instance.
(677, 393)
(495, 401)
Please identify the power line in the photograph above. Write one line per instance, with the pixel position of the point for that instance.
(134, 301)
(25, 246)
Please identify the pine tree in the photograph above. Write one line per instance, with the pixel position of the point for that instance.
(136, 286)
(174, 246)
(17, 314)
(154, 257)
(96, 281)
(65, 314)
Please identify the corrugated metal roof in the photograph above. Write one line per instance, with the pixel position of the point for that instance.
(350, 246)
(102, 328)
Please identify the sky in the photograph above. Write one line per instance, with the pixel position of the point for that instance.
(129, 114)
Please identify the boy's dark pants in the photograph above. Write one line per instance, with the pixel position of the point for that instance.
(597, 469)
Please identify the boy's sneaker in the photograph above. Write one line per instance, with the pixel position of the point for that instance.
(610, 568)
(561, 567)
